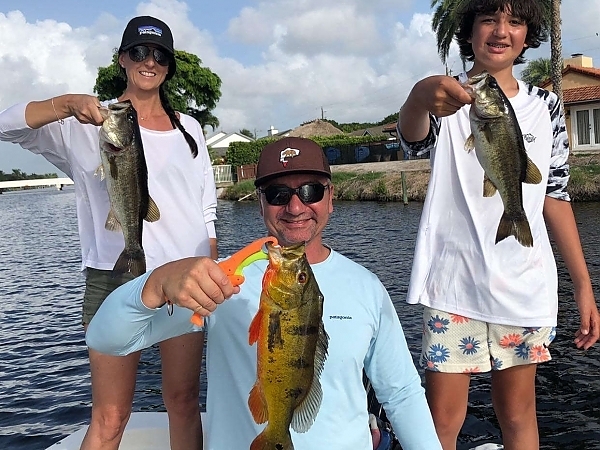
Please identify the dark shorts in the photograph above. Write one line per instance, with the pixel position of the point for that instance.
(98, 284)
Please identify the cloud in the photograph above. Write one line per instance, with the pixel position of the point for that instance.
(282, 62)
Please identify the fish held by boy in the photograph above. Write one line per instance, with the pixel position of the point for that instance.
(124, 168)
(498, 143)
(291, 349)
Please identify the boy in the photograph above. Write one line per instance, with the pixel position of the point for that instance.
(491, 306)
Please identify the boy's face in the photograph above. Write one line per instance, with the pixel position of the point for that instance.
(497, 40)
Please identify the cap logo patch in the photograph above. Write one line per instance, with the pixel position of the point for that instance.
(149, 29)
(288, 154)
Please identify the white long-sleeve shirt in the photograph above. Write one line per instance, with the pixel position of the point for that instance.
(458, 267)
(364, 331)
(182, 187)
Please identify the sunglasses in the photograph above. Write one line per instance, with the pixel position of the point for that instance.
(139, 53)
(279, 195)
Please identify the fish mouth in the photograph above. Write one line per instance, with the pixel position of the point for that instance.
(120, 106)
(476, 80)
(278, 253)
(475, 83)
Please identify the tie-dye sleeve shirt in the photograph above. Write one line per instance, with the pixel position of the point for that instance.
(558, 172)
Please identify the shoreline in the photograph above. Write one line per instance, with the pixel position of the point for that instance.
(382, 181)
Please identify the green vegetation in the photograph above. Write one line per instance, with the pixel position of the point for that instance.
(584, 183)
(354, 126)
(17, 175)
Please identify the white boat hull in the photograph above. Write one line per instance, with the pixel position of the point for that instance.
(150, 431)
(144, 431)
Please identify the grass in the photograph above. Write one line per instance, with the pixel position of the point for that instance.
(584, 184)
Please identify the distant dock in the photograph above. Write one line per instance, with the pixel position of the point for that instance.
(44, 182)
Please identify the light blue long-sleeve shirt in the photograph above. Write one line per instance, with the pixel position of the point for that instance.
(364, 331)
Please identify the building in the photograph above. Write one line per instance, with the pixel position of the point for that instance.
(219, 142)
(581, 98)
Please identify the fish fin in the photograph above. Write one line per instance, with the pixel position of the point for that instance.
(470, 143)
(306, 412)
(517, 227)
(254, 330)
(488, 187)
(258, 404)
(99, 172)
(532, 173)
(112, 223)
(132, 262)
(267, 441)
(153, 213)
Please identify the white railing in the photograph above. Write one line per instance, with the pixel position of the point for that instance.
(223, 174)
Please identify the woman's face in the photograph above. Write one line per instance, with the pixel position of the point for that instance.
(146, 66)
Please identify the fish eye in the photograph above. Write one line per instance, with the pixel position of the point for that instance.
(302, 277)
(493, 83)
(130, 117)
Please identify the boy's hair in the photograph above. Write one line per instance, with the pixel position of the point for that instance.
(531, 12)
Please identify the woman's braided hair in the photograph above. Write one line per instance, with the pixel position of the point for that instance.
(176, 122)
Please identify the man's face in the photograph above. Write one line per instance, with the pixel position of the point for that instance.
(297, 221)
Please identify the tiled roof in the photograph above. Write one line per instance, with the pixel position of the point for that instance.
(581, 94)
(590, 71)
(389, 127)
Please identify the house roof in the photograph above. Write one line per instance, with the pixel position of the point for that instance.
(315, 128)
(224, 139)
(581, 94)
(590, 71)
(371, 131)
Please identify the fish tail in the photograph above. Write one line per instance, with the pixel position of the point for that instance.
(265, 441)
(133, 262)
(517, 226)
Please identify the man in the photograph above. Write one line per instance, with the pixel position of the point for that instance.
(295, 198)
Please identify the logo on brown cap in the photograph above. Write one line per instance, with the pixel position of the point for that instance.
(288, 154)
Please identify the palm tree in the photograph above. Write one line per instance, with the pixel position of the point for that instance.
(556, 50)
(445, 23)
(537, 71)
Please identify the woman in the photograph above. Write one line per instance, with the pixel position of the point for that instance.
(64, 130)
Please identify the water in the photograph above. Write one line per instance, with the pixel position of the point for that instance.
(44, 374)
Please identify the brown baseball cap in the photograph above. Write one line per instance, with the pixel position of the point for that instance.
(291, 155)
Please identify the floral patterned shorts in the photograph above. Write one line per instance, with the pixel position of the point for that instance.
(456, 344)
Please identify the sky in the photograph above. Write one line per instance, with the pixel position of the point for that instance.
(281, 62)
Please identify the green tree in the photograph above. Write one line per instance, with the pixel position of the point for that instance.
(248, 133)
(194, 90)
(389, 119)
(17, 174)
(536, 71)
(445, 23)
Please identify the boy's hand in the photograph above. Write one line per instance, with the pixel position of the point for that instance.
(589, 330)
(441, 95)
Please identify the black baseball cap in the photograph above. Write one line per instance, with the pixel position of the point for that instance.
(291, 155)
(149, 30)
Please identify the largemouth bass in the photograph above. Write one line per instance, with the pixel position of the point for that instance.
(124, 168)
(291, 349)
(498, 143)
